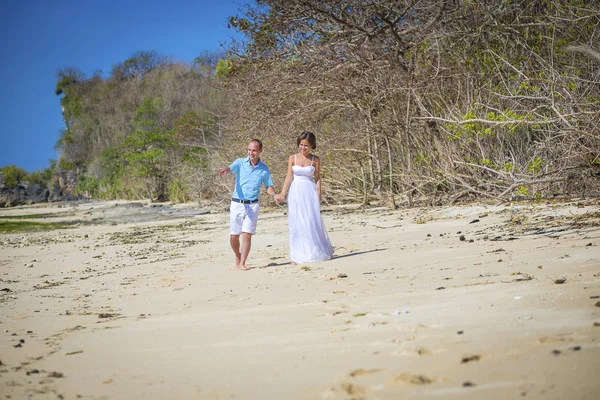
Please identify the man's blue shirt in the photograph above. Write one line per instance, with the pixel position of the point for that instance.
(248, 180)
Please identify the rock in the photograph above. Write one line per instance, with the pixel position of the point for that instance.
(130, 205)
(37, 193)
(56, 194)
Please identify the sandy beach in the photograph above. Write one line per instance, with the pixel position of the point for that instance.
(131, 301)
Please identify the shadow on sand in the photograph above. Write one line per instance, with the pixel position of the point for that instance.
(334, 258)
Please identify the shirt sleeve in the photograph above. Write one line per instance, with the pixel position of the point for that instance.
(268, 181)
(235, 166)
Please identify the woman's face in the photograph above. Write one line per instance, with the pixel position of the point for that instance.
(304, 147)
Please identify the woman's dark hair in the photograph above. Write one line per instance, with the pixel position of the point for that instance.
(308, 136)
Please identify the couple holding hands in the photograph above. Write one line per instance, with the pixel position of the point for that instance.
(302, 189)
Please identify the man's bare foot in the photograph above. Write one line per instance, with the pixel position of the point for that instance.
(293, 263)
(242, 267)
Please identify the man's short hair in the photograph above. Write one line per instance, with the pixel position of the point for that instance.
(257, 141)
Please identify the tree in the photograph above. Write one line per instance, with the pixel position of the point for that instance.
(432, 98)
(139, 65)
(12, 175)
(206, 63)
(146, 148)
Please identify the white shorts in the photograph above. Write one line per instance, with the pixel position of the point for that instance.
(242, 218)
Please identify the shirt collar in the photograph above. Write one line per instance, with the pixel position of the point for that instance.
(257, 164)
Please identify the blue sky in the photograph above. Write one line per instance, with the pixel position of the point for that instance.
(37, 37)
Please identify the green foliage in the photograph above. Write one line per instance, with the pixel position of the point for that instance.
(64, 140)
(67, 165)
(508, 167)
(12, 175)
(145, 150)
(535, 166)
(88, 187)
(224, 69)
(538, 197)
(110, 184)
(29, 226)
(206, 63)
(422, 159)
(487, 163)
(31, 216)
(178, 191)
(41, 177)
(146, 163)
(527, 88)
(63, 83)
(195, 156)
(522, 191)
(72, 106)
(483, 129)
(123, 130)
(67, 78)
(112, 163)
(147, 114)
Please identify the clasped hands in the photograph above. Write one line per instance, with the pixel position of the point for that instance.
(279, 198)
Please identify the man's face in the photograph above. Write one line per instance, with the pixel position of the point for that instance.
(254, 151)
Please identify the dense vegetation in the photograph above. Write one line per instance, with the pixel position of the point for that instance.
(438, 100)
(146, 131)
(13, 176)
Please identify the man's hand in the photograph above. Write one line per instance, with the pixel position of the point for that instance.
(225, 171)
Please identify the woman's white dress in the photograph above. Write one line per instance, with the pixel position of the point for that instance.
(308, 238)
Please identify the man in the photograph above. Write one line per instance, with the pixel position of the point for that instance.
(250, 174)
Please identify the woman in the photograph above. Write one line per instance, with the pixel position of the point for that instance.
(308, 239)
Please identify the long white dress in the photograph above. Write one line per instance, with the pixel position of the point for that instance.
(308, 238)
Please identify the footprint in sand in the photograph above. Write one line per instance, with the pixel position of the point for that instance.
(361, 372)
(422, 351)
(411, 352)
(410, 379)
(351, 388)
(346, 388)
(568, 337)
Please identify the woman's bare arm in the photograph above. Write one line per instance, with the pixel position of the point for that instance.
(288, 178)
(317, 175)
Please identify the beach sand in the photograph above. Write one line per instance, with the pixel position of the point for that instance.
(462, 302)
